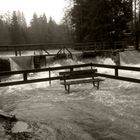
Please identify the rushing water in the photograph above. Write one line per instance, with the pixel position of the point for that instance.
(111, 113)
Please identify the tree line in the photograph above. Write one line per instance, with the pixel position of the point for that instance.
(84, 21)
(14, 29)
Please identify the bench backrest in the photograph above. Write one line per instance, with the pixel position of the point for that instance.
(77, 74)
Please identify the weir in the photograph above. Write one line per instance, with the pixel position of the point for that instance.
(38, 61)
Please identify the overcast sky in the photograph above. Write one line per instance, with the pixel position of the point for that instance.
(53, 8)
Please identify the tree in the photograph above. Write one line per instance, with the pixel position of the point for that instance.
(52, 31)
(15, 30)
(34, 29)
(4, 35)
(23, 27)
(43, 28)
(100, 20)
(18, 28)
(38, 29)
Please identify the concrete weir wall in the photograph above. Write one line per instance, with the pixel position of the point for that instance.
(27, 62)
(21, 63)
(38, 61)
(130, 57)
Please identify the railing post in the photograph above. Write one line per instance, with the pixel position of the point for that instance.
(71, 69)
(49, 76)
(19, 52)
(16, 53)
(25, 76)
(116, 72)
(91, 66)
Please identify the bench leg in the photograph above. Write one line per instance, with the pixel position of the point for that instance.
(65, 87)
(68, 88)
(93, 84)
(98, 84)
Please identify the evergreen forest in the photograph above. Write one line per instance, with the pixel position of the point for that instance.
(14, 30)
(84, 21)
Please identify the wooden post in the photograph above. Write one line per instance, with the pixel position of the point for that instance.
(91, 66)
(68, 88)
(118, 58)
(25, 76)
(45, 61)
(65, 82)
(71, 69)
(98, 85)
(16, 52)
(116, 72)
(49, 77)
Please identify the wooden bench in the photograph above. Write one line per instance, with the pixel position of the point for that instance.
(79, 77)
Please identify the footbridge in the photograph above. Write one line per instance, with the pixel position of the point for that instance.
(66, 47)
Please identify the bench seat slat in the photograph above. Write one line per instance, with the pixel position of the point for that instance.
(82, 81)
(78, 72)
(78, 76)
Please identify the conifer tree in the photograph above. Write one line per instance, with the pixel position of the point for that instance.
(34, 29)
(99, 20)
(15, 30)
(4, 32)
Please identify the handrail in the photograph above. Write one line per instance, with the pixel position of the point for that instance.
(69, 43)
(25, 73)
(127, 79)
(58, 45)
(117, 67)
(25, 79)
(94, 46)
(116, 72)
(44, 69)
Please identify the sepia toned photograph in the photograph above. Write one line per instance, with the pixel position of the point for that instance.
(69, 70)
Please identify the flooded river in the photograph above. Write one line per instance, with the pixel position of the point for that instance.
(48, 113)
